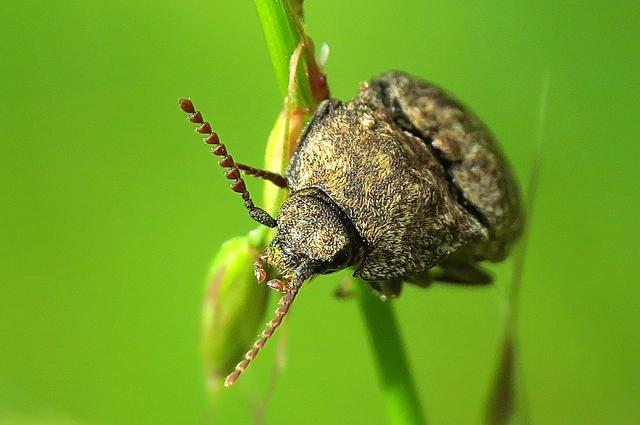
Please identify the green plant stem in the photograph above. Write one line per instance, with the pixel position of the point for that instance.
(282, 24)
(507, 403)
(399, 390)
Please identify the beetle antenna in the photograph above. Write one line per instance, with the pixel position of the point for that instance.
(283, 308)
(233, 173)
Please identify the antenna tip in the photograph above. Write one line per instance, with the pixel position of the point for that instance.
(232, 378)
(187, 106)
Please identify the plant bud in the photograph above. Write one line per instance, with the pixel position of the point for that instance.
(233, 311)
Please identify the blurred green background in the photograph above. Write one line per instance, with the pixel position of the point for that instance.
(111, 209)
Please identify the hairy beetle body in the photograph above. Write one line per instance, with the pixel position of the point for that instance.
(402, 183)
(417, 174)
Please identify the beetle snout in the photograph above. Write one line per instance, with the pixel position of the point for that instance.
(283, 284)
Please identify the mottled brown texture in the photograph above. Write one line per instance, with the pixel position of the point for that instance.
(477, 168)
(313, 237)
(400, 179)
(420, 179)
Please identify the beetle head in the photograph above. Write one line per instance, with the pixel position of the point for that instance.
(312, 238)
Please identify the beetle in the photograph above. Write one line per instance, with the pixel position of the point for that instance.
(403, 183)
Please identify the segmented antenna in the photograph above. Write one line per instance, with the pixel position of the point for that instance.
(233, 173)
(282, 310)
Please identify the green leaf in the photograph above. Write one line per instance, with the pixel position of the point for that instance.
(282, 24)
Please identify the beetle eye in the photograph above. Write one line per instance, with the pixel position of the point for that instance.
(339, 261)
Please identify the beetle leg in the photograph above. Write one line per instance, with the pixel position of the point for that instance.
(387, 288)
(344, 290)
(463, 273)
(423, 279)
(455, 272)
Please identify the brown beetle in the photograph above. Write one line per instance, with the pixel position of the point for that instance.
(402, 183)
